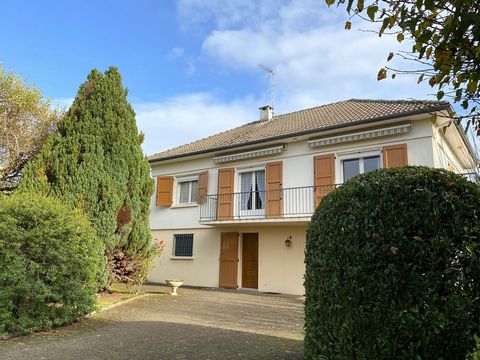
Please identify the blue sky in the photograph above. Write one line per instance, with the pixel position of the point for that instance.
(191, 66)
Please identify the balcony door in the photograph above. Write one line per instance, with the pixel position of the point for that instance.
(252, 193)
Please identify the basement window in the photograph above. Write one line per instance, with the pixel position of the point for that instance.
(183, 245)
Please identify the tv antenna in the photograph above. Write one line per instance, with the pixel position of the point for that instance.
(272, 74)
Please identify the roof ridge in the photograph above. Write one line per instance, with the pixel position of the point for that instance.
(401, 101)
(311, 108)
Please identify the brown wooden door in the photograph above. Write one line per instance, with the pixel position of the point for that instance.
(274, 194)
(228, 260)
(225, 194)
(324, 176)
(250, 261)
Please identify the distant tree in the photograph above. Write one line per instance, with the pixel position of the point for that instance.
(95, 163)
(26, 119)
(446, 44)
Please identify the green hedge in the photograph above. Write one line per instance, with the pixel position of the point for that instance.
(49, 264)
(393, 268)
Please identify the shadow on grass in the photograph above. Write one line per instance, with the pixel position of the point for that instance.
(98, 339)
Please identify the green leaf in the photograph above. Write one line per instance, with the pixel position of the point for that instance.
(433, 119)
(384, 26)
(382, 74)
(349, 6)
(391, 21)
(430, 5)
(400, 37)
(371, 11)
(440, 95)
(348, 25)
(472, 86)
(420, 78)
(360, 5)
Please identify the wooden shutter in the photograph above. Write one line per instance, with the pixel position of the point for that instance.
(202, 187)
(274, 194)
(164, 190)
(225, 194)
(324, 166)
(395, 156)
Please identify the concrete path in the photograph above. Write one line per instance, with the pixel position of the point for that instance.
(198, 324)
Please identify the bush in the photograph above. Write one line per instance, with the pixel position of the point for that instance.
(393, 268)
(50, 264)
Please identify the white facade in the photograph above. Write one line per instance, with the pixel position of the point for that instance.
(280, 268)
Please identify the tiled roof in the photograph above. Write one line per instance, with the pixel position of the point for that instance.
(336, 115)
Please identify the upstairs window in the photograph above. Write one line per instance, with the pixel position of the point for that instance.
(360, 165)
(183, 245)
(187, 190)
(252, 190)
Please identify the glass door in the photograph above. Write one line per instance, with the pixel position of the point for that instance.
(252, 193)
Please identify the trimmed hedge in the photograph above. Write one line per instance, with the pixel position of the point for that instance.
(50, 264)
(393, 268)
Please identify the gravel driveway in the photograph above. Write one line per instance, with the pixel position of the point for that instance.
(198, 324)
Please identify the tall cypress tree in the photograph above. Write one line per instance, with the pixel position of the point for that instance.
(95, 162)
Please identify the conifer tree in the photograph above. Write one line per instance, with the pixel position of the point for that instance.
(94, 162)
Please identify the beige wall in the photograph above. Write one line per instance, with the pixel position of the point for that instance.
(280, 269)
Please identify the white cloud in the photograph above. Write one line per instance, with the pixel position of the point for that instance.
(176, 53)
(316, 60)
(189, 117)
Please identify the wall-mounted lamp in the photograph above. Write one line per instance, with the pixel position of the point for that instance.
(288, 241)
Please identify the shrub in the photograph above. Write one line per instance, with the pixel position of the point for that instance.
(50, 264)
(393, 268)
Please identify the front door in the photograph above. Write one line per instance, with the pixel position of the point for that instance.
(228, 260)
(250, 260)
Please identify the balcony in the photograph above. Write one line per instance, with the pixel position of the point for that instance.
(296, 204)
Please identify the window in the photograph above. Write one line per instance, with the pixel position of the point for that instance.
(187, 190)
(361, 165)
(252, 192)
(183, 245)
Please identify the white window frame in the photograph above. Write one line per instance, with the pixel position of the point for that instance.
(358, 155)
(254, 213)
(184, 179)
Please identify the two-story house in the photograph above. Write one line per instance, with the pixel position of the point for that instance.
(233, 208)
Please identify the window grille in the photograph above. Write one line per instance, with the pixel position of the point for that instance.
(183, 245)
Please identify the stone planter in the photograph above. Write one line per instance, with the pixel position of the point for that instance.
(174, 284)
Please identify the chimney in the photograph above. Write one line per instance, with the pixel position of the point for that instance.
(266, 113)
